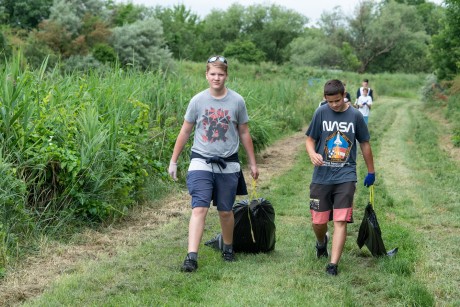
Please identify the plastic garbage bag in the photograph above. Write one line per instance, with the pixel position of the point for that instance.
(370, 233)
(254, 230)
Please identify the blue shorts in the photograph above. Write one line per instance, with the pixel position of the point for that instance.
(205, 186)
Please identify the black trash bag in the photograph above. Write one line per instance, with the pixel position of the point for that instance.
(254, 230)
(370, 234)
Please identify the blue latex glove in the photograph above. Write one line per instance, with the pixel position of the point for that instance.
(369, 180)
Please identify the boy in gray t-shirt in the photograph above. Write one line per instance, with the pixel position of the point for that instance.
(331, 145)
(220, 119)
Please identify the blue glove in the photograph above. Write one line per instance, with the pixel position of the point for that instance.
(369, 180)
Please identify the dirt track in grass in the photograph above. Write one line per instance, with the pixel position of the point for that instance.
(37, 272)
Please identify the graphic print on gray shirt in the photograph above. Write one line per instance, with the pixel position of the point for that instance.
(216, 123)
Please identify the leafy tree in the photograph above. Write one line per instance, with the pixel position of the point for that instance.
(221, 28)
(244, 51)
(445, 50)
(141, 44)
(70, 13)
(26, 14)
(378, 32)
(53, 36)
(314, 49)
(37, 50)
(273, 28)
(430, 13)
(122, 14)
(181, 28)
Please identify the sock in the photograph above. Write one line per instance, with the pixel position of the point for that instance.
(321, 244)
(193, 256)
(228, 247)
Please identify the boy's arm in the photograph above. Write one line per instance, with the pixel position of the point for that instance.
(246, 140)
(181, 140)
(369, 160)
(315, 157)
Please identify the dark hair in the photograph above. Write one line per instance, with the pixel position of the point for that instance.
(333, 87)
(365, 80)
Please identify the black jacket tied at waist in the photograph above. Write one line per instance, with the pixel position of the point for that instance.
(222, 162)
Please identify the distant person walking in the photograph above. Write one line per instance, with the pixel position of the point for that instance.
(364, 104)
(331, 146)
(365, 84)
(220, 119)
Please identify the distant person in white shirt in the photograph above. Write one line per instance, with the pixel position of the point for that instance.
(365, 84)
(364, 104)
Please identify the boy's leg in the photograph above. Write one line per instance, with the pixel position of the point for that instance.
(338, 241)
(227, 223)
(224, 196)
(320, 232)
(196, 228)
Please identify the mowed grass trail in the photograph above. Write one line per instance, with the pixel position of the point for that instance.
(416, 203)
(423, 182)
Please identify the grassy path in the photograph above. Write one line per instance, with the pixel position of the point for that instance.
(424, 181)
(416, 201)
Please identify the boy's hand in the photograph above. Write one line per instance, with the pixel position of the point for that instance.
(369, 180)
(172, 170)
(317, 159)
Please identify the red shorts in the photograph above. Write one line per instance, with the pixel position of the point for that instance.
(332, 202)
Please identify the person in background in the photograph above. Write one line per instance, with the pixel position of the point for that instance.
(331, 145)
(365, 84)
(347, 97)
(364, 104)
(220, 118)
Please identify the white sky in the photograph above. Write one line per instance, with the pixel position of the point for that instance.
(310, 8)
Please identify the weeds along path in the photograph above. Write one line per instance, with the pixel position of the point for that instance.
(35, 274)
(420, 177)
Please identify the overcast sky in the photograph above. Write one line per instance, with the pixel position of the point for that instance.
(310, 8)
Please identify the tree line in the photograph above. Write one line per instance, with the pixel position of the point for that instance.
(409, 36)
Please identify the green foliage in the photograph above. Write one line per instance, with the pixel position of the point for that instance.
(81, 63)
(126, 13)
(446, 45)
(181, 28)
(24, 13)
(141, 45)
(272, 28)
(104, 53)
(244, 51)
(380, 33)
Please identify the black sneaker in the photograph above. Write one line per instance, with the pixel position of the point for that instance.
(228, 256)
(322, 251)
(189, 265)
(332, 269)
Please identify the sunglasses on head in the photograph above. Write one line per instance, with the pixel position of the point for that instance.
(217, 58)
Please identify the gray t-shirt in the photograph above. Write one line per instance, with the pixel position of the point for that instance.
(336, 134)
(216, 123)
